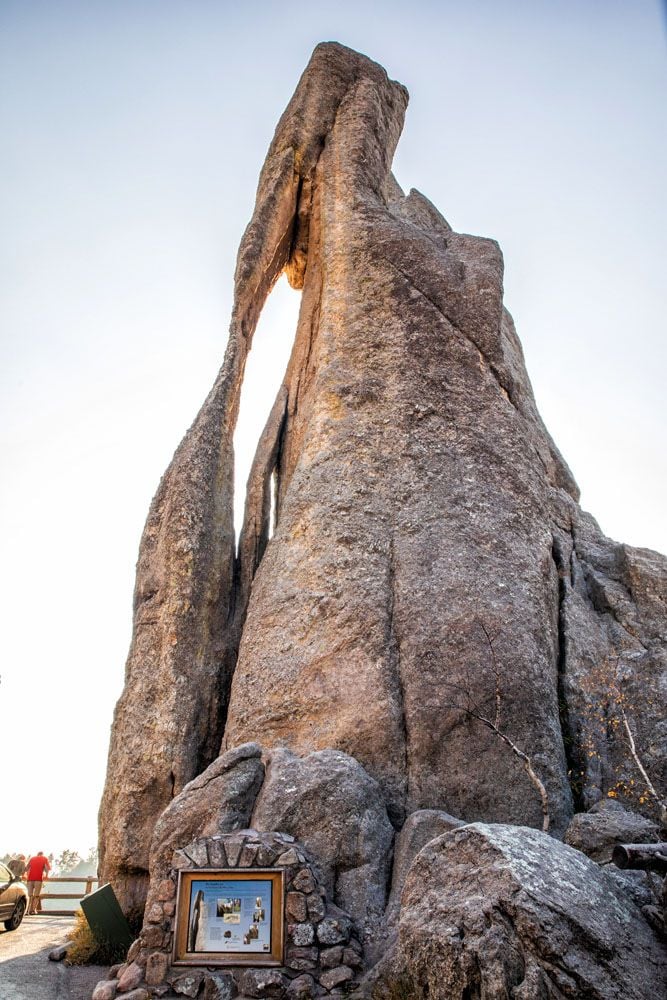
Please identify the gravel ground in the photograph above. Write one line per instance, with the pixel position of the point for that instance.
(26, 972)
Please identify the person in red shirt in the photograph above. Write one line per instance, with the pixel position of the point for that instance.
(36, 872)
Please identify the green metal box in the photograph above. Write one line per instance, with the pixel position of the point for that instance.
(105, 917)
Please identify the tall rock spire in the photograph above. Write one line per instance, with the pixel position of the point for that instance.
(428, 554)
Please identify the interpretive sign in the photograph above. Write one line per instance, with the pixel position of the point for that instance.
(230, 917)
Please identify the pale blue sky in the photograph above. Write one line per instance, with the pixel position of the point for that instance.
(133, 134)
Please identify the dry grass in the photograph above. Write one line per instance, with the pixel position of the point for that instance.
(87, 950)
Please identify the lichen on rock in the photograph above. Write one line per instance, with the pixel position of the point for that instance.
(498, 911)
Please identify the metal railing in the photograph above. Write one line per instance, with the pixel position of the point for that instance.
(88, 879)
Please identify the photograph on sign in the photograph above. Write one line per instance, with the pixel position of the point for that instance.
(229, 917)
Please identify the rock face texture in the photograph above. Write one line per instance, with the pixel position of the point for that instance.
(613, 650)
(428, 561)
(419, 828)
(416, 491)
(596, 832)
(536, 921)
(218, 801)
(328, 802)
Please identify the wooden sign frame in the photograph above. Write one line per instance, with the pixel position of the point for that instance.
(229, 917)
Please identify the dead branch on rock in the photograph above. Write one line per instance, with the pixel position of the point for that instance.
(659, 801)
(475, 711)
(608, 716)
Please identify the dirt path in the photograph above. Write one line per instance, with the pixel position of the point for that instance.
(26, 972)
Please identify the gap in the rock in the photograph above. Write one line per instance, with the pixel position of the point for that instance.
(265, 369)
(273, 511)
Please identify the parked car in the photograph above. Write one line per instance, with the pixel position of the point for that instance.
(13, 899)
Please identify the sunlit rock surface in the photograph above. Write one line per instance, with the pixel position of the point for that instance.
(429, 553)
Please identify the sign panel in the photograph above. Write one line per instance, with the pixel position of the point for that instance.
(229, 918)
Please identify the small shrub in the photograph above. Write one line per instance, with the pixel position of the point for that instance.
(87, 950)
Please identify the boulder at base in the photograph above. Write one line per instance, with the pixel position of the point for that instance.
(330, 803)
(219, 800)
(503, 911)
(420, 827)
(597, 831)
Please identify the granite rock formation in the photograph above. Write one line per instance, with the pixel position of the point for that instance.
(428, 560)
(420, 827)
(325, 800)
(329, 802)
(536, 920)
(607, 823)
(218, 801)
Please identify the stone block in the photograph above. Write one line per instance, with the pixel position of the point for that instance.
(301, 959)
(217, 854)
(179, 859)
(336, 977)
(296, 907)
(263, 983)
(137, 953)
(248, 857)
(219, 986)
(130, 978)
(106, 990)
(352, 958)
(288, 858)
(153, 937)
(301, 934)
(302, 988)
(188, 984)
(334, 930)
(316, 907)
(311, 952)
(266, 856)
(154, 914)
(233, 847)
(331, 957)
(197, 851)
(303, 881)
(166, 889)
(156, 968)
